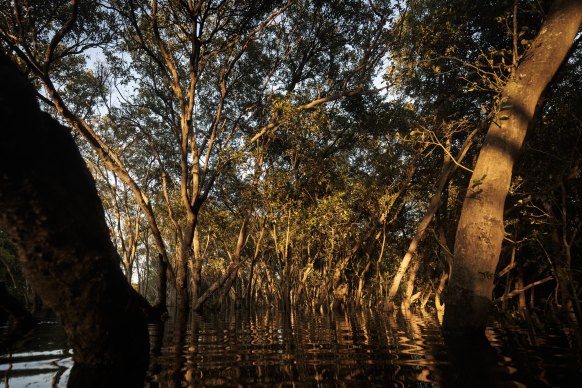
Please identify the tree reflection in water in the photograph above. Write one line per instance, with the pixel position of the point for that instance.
(355, 347)
(267, 348)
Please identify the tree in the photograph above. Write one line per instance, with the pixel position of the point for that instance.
(50, 209)
(211, 78)
(480, 231)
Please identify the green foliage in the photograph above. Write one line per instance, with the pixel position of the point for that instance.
(265, 111)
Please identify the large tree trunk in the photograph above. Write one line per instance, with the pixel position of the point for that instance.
(480, 229)
(50, 209)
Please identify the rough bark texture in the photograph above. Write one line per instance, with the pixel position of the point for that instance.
(480, 230)
(50, 209)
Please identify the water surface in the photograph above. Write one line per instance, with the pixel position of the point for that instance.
(366, 348)
(42, 359)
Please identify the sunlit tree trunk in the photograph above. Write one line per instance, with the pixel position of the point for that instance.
(362, 279)
(439, 304)
(408, 295)
(236, 257)
(196, 268)
(286, 297)
(442, 241)
(252, 280)
(480, 230)
(447, 169)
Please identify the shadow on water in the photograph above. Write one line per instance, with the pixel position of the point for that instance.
(474, 360)
(351, 348)
(44, 358)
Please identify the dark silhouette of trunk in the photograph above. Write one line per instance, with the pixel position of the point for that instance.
(50, 209)
(160, 308)
(480, 230)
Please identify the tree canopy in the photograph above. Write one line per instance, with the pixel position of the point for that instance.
(292, 153)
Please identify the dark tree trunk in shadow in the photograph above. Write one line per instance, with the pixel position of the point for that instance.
(50, 209)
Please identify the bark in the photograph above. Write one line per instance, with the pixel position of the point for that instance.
(111, 160)
(196, 268)
(480, 230)
(182, 260)
(50, 208)
(406, 260)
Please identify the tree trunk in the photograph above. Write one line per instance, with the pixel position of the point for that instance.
(161, 306)
(509, 279)
(196, 268)
(182, 259)
(446, 171)
(361, 281)
(439, 305)
(242, 236)
(50, 208)
(480, 230)
(215, 286)
(408, 295)
(253, 263)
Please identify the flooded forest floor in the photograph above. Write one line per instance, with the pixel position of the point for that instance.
(268, 348)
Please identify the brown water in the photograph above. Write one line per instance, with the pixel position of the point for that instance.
(341, 349)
